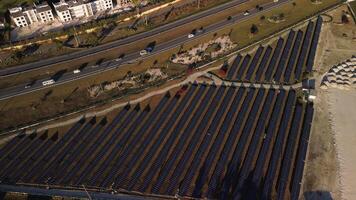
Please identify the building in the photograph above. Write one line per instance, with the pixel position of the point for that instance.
(44, 13)
(23, 17)
(79, 8)
(87, 8)
(26, 16)
(101, 5)
(62, 11)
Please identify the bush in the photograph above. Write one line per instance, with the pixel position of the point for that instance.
(254, 29)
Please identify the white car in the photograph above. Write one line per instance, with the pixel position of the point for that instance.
(48, 82)
(143, 52)
(246, 13)
(191, 35)
(76, 71)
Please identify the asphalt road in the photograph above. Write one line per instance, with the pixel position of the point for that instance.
(113, 64)
(111, 45)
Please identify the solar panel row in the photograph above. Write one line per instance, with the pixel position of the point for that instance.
(285, 65)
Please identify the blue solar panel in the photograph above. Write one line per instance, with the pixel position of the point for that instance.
(164, 174)
(314, 44)
(302, 151)
(23, 167)
(118, 160)
(234, 134)
(304, 51)
(105, 134)
(282, 61)
(242, 68)
(209, 135)
(289, 152)
(234, 67)
(150, 136)
(293, 56)
(263, 64)
(108, 151)
(214, 150)
(252, 67)
(274, 59)
(164, 152)
(49, 172)
(266, 145)
(278, 146)
(37, 168)
(253, 147)
(234, 165)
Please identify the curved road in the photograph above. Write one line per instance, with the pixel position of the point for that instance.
(113, 64)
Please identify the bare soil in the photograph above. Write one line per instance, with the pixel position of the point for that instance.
(322, 172)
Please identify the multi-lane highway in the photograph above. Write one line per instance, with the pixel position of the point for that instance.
(113, 64)
(112, 45)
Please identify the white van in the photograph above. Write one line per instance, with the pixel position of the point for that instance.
(48, 82)
(143, 52)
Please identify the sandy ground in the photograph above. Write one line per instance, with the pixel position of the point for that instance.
(342, 106)
(328, 171)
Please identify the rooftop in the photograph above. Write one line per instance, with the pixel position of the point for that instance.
(43, 7)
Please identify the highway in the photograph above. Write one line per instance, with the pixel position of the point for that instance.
(106, 47)
(113, 64)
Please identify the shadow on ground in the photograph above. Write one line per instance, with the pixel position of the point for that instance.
(317, 195)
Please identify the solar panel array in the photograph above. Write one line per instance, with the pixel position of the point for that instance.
(205, 141)
(284, 63)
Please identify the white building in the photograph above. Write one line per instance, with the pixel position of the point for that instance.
(44, 13)
(62, 11)
(23, 17)
(101, 5)
(79, 8)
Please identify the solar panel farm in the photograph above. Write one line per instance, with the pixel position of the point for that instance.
(285, 63)
(202, 140)
(205, 141)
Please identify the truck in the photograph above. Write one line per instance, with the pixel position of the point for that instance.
(146, 51)
(48, 82)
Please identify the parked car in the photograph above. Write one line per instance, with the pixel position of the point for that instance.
(246, 12)
(76, 71)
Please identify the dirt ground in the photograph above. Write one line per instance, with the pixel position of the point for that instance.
(327, 172)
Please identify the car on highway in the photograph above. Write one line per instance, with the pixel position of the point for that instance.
(191, 35)
(120, 57)
(30, 84)
(148, 49)
(143, 52)
(48, 82)
(246, 13)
